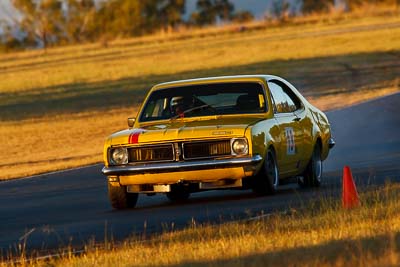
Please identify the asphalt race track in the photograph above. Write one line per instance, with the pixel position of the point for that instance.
(71, 207)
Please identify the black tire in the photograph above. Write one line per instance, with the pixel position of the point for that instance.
(120, 198)
(312, 176)
(267, 180)
(178, 193)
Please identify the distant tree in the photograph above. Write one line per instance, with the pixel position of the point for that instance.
(242, 16)
(208, 11)
(41, 20)
(127, 17)
(119, 17)
(171, 12)
(224, 9)
(8, 42)
(311, 6)
(163, 14)
(280, 9)
(205, 13)
(79, 20)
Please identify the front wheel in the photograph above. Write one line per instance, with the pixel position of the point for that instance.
(120, 198)
(312, 176)
(267, 180)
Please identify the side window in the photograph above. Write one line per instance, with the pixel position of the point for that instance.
(294, 101)
(279, 98)
(284, 98)
(291, 106)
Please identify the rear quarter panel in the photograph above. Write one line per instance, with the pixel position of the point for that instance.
(321, 127)
(324, 129)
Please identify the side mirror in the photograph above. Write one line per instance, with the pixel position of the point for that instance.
(131, 122)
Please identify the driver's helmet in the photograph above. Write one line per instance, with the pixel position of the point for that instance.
(177, 104)
(176, 101)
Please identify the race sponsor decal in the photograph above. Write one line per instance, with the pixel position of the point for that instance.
(290, 144)
(134, 136)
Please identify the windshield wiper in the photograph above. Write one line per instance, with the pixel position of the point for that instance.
(192, 109)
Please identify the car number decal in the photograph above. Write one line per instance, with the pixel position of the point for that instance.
(290, 144)
(134, 137)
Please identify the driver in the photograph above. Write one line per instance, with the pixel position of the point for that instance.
(178, 106)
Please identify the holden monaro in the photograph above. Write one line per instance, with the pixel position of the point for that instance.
(226, 132)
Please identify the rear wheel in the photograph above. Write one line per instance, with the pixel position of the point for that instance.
(178, 193)
(120, 198)
(312, 176)
(267, 180)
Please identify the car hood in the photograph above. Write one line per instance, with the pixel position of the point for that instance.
(179, 130)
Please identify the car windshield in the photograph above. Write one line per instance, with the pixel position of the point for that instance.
(204, 100)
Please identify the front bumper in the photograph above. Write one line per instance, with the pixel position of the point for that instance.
(182, 166)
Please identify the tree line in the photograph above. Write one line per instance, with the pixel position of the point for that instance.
(56, 22)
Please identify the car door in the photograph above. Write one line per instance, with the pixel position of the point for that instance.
(305, 125)
(290, 131)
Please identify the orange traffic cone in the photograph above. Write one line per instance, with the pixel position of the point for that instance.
(350, 197)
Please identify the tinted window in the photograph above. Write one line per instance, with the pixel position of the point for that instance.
(204, 100)
(284, 98)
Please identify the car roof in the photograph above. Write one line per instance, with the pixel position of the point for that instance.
(220, 79)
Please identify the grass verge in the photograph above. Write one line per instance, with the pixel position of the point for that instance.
(318, 234)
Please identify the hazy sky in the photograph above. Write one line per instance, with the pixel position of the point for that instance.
(5, 9)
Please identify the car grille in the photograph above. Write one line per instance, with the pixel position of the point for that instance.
(195, 150)
(151, 153)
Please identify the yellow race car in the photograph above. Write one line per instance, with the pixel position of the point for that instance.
(253, 131)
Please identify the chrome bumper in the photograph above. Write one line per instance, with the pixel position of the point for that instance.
(181, 166)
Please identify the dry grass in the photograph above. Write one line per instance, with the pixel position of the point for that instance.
(58, 142)
(75, 71)
(319, 234)
(57, 107)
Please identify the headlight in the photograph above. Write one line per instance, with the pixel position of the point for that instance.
(119, 156)
(240, 147)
